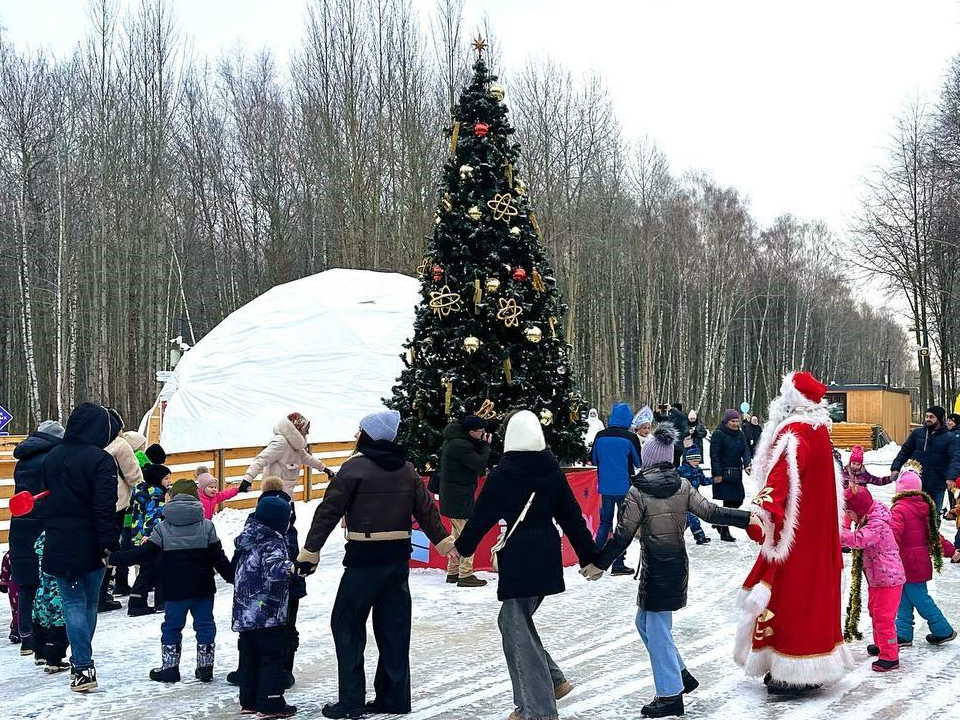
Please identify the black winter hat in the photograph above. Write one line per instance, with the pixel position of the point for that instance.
(472, 422)
(955, 417)
(154, 474)
(156, 454)
(274, 512)
(938, 411)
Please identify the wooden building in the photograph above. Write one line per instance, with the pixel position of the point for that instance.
(881, 405)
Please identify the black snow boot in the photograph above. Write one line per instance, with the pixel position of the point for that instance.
(83, 680)
(622, 570)
(284, 712)
(690, 683)
(205, 655)
(233, 677)
(663, 707)
(777, 687)
(336, 710)
(725, 534)
(169, 671)
(108, 604)
(701, 538)
(936, 640)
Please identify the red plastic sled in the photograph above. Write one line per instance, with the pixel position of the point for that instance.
(22, 503)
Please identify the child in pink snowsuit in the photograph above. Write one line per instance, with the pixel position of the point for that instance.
(7, 585)
(855, 472)
(914, 515)
(882, 565)
(209, 497)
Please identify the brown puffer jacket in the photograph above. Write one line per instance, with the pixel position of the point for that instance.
(656, 507)
(380, 493)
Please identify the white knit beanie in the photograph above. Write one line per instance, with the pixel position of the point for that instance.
(524, 433)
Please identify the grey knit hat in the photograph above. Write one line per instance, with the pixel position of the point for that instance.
(51, 427)
(659, 449)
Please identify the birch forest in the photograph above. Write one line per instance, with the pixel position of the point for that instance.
(144, 189)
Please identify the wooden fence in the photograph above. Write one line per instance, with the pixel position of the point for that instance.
(228, 465)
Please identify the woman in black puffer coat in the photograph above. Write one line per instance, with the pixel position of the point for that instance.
(25, 530)
(531, 562)
(729, 457)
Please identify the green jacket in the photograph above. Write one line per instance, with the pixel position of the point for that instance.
(462, 461)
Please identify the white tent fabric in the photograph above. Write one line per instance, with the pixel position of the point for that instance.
(327, 346)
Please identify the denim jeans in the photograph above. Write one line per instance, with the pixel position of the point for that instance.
(533, 673)
(80, 597)
(916, 596)
(655, 630)
(175, 618)
(937, 496)
(607, 505)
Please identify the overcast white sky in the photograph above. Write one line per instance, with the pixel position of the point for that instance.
(791, 102)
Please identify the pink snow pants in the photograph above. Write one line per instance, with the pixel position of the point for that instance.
(883, 605)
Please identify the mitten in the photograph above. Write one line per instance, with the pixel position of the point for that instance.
(755, 533)
(244, 485)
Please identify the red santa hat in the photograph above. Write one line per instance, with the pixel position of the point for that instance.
(801, 389)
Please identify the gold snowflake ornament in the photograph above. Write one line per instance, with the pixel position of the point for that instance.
(501, 207)
(444, 302)
(509, 312)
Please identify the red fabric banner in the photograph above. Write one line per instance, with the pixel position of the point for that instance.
(584, 486)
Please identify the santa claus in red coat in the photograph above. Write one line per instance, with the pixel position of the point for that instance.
(790, 632)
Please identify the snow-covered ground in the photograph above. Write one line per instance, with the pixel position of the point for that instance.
(458, 668)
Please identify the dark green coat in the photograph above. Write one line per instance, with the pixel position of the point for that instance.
(462, 461)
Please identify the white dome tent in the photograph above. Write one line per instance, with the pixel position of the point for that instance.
(327, 346)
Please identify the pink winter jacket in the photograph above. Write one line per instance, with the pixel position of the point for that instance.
(910, 522)
(881, 556)
(210, 503)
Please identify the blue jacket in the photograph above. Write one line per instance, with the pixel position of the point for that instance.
(616, 453)
(261, 585)
(938, 451)
(693, 475)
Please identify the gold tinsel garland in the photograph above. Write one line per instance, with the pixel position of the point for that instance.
(454, 136)
(851, 631)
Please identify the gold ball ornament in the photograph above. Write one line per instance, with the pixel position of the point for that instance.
(466, 171)
(496, 91)
(474, 213)
(546, 417)
(533, 334)
(471, 344)
(520, 187)
(492, 285)
(515, 231)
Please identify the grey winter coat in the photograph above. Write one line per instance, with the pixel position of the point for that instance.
(656, 507)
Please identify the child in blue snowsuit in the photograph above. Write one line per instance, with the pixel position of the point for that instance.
(690, 471)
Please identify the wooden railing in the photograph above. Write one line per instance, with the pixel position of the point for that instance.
(227, 465)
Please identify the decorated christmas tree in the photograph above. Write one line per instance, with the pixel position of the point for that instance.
(488, 334)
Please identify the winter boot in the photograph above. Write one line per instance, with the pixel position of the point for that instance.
(108, 604)
(233, 677)
(83, 680)
(873, 650)
(690, 683)
(26, 648)
(562, 690)
(885, 665)
(205, 653)
(621, 570)
(284, 712)
(139, 609)
(52, 668)
(935, 640)
(170, 670)
(778, 687)
(701, 538)
(725, 534)
(38, 661)
(663, 707)
(452, 579)
(904, 643)
(336, 710)
(471, 581)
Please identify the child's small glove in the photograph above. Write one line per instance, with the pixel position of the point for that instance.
(244, 485)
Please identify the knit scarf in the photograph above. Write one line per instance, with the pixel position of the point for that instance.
(933, 532)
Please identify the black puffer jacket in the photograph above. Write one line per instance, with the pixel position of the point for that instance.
(25, 530)
(531, 563)
(80, 519)
(462, 461)
(657, 507)
(728, 452)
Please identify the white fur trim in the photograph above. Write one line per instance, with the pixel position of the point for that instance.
(752, 602)
(817, 670)
(290, 433)
(757, 600)
(773, 549)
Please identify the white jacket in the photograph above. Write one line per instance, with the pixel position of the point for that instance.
(121, 449)
(283, 457)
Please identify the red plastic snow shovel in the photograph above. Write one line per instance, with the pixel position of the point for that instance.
(22, 503)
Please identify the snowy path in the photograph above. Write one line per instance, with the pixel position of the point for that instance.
(458, 667)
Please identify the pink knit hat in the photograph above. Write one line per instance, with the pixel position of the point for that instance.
(856, 455)
(205, 480)
(858, 500)
(908, 480)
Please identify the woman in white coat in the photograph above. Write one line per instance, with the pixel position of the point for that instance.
(286, 453)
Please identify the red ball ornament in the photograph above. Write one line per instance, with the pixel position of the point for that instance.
(437, 273)
(519, 274)
(481, 129)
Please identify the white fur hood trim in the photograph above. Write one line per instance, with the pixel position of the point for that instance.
(290, 433)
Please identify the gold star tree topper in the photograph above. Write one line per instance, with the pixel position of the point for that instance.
(479, 45)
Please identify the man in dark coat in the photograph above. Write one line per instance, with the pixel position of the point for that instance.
(938, 452)
(25, 530)
(463, 459)
(729, 456)
(655, 509)
(81, 527)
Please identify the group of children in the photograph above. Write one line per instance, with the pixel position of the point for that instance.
(897, 549)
